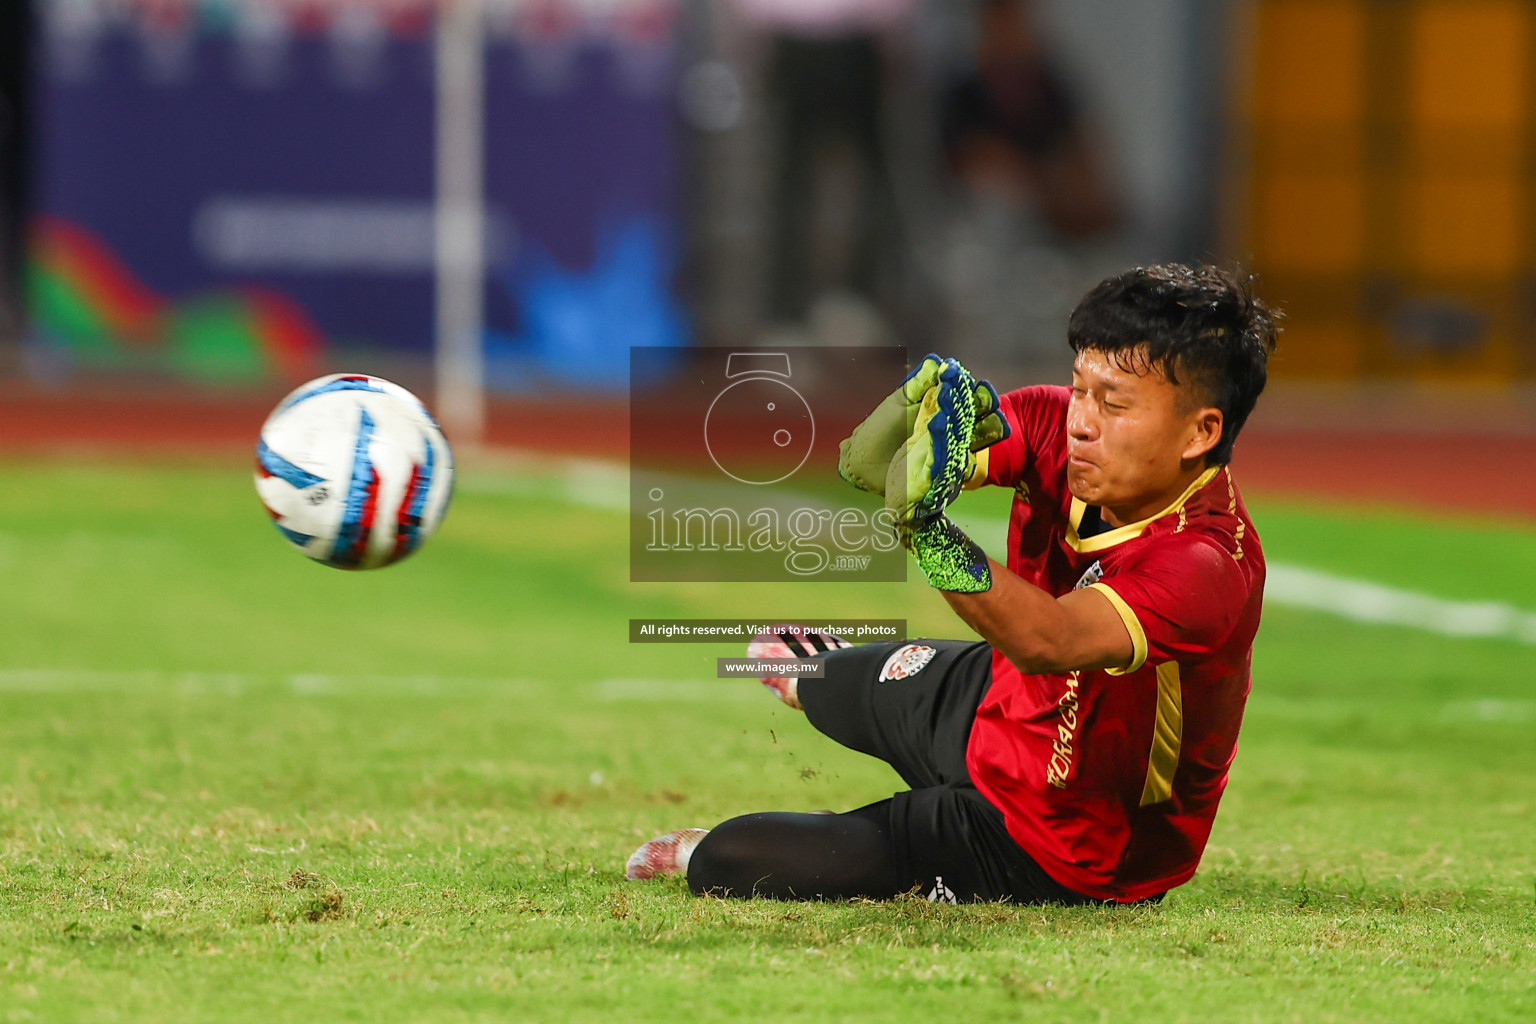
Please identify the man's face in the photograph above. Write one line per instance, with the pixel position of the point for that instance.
(1132, 436)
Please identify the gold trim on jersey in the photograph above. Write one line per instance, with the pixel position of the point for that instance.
(1167, 735)
(1237, 534)
(1121, 534)
(1132, 626)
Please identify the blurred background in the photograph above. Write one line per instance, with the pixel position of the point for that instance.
(217, 758)
(212, 199)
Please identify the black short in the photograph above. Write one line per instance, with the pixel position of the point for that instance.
(951, 843)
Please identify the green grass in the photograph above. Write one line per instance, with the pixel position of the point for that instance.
(238, 786)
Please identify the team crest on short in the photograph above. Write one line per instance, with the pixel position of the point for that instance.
(907, 661)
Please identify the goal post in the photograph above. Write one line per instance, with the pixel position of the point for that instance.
(459, 359)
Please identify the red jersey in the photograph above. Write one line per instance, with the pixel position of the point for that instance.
(1109, 779)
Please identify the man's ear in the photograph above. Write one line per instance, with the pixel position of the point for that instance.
(1206, 427)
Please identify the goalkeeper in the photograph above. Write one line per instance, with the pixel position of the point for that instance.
(1078, 753)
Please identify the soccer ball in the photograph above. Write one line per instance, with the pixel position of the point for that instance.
(354, 471)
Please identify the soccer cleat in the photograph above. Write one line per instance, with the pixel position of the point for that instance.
(791, 642)
(664, 855)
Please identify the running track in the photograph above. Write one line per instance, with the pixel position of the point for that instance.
(1484, 473)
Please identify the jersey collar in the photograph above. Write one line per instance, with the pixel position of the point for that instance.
(1121, 534)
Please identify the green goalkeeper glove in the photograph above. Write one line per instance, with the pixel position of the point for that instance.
(948, 558)
(934, 462)
(865, 455)
(990, 425)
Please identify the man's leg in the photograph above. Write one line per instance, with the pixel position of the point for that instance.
(788, 641)
(800, 856)
(910, 704)
(944, 842)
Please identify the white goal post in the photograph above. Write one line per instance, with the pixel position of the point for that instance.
(459, 361)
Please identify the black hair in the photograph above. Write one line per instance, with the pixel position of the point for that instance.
(1198, 324)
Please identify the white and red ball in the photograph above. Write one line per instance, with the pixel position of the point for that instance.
(354, 471)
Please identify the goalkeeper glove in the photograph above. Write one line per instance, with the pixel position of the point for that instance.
(934, 462)
(948, 558)
(866, 454)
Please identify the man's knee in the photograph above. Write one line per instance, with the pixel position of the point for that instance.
(727, 861)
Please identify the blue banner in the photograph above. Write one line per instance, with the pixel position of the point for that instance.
(227, 188)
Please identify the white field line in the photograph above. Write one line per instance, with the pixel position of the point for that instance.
(314, 684)
(587, 483)
(1377, 604)
(31, 680)
(1476, 710)
(604, 485)
(679, 690)
(1490, 710)
(235, 685)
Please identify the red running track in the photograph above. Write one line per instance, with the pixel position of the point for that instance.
(1459, 472)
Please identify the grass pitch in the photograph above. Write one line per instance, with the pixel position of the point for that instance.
(235, 785)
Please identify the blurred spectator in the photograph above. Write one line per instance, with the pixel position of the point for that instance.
(1012, 127)
(826, 83)
(15, 34)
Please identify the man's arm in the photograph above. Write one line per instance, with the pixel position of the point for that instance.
(1044, 634)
